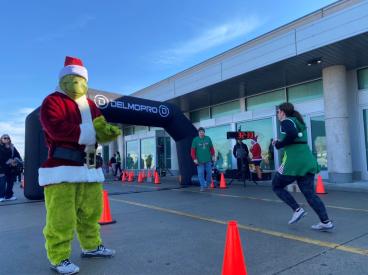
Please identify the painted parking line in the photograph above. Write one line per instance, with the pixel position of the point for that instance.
(269, 200)
(350, 249)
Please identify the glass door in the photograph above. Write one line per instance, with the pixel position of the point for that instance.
(364, 113)
(318, 142)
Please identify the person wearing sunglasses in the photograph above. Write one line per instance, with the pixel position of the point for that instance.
(9, 159)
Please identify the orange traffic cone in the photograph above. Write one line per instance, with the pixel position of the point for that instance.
(123, 177)
(131, 176)
(106, 215)
(320, 188)
(157, 178)
(212, 185)
(222, 181)
(140, 177)
(233, 263)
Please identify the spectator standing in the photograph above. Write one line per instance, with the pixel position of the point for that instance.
(256, 151)
(202, 153)
(10, 160)
(241, 153)
(112, 163)
(118, 164)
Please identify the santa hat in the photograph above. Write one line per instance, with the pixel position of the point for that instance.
(74, 66)
(254, 140)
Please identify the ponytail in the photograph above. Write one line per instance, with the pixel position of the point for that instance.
(289, 110)
(298, 117)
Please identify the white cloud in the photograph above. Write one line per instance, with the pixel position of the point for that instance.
(208, 39)
(14, 126)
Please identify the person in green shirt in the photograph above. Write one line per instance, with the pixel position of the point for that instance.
(202, 153)
(298, 164)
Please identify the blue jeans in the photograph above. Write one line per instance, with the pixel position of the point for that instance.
(306, 186)
(201, 167)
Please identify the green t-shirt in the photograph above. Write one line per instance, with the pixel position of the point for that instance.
(202, 147)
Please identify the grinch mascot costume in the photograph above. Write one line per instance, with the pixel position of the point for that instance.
(73, 125)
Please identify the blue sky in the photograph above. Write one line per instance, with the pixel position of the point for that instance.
(125, 45)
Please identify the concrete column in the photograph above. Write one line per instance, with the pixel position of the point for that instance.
(337, 129)
(113, 147)
(174, 157)
(120, 145)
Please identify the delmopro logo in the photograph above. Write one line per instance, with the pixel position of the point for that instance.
(102, 102)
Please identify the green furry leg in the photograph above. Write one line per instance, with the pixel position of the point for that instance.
(71, 206)
(88, 215)
(60, 220)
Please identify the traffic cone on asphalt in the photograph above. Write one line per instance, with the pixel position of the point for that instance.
(157, 178)
(106, 215)
(212, 185)
(320, 188)
(131, 176)
(140, 177)
(222, 181)
(233, 263)
(123, 177)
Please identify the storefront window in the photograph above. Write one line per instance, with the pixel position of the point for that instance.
(148, 153)
(363, 79)
(307, 91)
(225, 109)
(132, 154)
(140, 129)
(265, 101)
(222, 146)
(263, 130)
(202, 114)
(319, 146)
(164, 153)
(128, 131)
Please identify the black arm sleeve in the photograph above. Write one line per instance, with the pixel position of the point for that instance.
(16, 154)
(287, 127)
(234, 151)
(246, 149)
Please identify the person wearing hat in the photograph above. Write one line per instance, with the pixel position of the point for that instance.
(72, 183)
(202, 152)
(256, 151)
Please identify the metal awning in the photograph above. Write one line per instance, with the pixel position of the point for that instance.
(351, 52)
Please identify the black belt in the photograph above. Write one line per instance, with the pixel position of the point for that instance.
(69, 154)
(300, 142)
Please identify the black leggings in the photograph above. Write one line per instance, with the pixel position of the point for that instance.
(306, 186)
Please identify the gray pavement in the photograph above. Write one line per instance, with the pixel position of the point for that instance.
(166, 229)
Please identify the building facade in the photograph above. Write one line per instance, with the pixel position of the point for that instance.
(318, 62)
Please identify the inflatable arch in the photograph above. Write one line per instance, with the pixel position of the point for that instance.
(116, 109)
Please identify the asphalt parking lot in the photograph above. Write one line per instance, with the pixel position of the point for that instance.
(166, 229)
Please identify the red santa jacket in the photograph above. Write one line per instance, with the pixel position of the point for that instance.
(68, 123)
(256, 152)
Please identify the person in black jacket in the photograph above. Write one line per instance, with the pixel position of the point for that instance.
(241, 153)
(9, 161)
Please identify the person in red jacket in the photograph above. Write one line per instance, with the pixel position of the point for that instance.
(72, 183)
(256, 156)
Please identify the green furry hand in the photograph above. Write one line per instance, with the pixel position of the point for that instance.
(105, 132)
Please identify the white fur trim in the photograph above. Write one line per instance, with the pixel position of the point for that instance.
(87, 130)
(74, 69)
(55, 175)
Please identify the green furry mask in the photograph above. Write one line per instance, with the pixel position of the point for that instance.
(74, 86)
